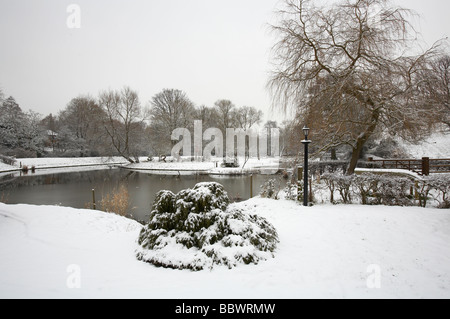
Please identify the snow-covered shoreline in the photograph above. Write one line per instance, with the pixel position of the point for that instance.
(63, 162)
(435, 146)
(324, 252)
(212, 167)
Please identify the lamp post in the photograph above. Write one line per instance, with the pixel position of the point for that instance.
(306, 142)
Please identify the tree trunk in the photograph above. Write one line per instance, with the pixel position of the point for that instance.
(126, 156)
(356, 154)
(333, 155)
(361, 141)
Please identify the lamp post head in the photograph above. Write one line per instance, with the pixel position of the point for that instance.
(306, 132)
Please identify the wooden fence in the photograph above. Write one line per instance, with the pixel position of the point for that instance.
(424, 166)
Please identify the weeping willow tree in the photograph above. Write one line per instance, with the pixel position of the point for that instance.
(348, 71)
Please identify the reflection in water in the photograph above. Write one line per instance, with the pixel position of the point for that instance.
(75, 189)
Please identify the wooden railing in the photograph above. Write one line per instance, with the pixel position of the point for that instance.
(424, 166)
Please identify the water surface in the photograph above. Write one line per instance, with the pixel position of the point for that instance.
(74, 189)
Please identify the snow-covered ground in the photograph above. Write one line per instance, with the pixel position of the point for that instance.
(6, 168)
(324, 251)
(43, 163)
(63, 162)
(212, 167)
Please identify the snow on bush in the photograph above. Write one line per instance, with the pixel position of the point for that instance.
(198, 229)
(269, 189)
(294, 191)
(371, 189)
(435, 187)
(389, 189)
(341, 183)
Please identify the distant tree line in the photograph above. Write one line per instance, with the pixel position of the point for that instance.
(114, 123)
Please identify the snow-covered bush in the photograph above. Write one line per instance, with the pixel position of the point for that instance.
(294, 191)
(372, 189)
(442, 186)
(392, 190)
(437, 185)
(331, 185)
(7, 160)
(269, 189)
(388, 148)
(341, 183)
(198, 229)
(365, 186)
(423, 189)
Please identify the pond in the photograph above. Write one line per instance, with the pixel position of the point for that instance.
(74, 189)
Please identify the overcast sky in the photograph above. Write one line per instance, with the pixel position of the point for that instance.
(208, 48)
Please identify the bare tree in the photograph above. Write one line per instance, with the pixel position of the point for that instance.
(346, 70)
(123, 120)
(78, 114)
(225, 110)
(169, 110)
(246, 117)
(208, 115)
(82, 118)
(436, 86)
(173, 109)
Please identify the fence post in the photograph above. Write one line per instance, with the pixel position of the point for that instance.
(310, 191)
(94, 206)
(425, 166)
(299, 173)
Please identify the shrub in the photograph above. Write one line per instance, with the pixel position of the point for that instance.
(439, 184)
(116, 202)
(388, 148)
(7, 160)
(294, 191)
(4, 198)
(341, 183)
(268, 189)
(372, 189)
(198, 229)
(331, 185)
(391, 190)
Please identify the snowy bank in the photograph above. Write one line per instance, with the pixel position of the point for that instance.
(62, 162)
(185, 167)
(324, 251)
(46, 163)
(4, 168)
(209, 167)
